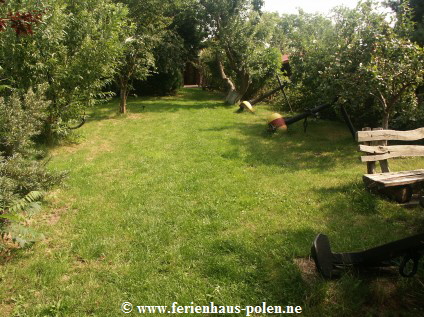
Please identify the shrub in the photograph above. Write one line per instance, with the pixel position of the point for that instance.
(12, 220)
(21, 119)
(20, 175)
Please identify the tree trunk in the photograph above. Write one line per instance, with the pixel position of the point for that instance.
(387, 106)
(385, 123)
(232, 96)
(49, 135)
(124, 95)
(245, 82)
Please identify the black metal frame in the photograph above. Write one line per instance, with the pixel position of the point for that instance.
(327, 262)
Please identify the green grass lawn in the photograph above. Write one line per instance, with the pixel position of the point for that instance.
(186, 201)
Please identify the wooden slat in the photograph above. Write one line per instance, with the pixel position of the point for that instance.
(396, 178)
(370, 165)
(386, 152)
(395, 174)
(381, 135)
(384, 164)
(387, 149)
(371, 149)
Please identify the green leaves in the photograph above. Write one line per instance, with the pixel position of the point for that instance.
(75, 51)
(21, 119)
(145, 27)
(240, 38)
(16, 218)
(29, 203)
(23, 235)
(358, 56)
(379, 61)
(17, 214)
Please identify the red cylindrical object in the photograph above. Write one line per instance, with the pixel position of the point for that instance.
(277, 122)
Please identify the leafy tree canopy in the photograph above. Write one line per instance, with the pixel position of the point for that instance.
(239, 37)
(64, 52)
(417, 16)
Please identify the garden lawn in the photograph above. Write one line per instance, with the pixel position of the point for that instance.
(184, 200)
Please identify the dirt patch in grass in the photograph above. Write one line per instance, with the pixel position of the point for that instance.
(68, 149)
(307, 269)
(97, 149)
(387, 295)
(52, 219)
(8, 248)
(6, 309)
(135, 116)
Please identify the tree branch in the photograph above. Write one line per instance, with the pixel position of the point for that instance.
(224, 77)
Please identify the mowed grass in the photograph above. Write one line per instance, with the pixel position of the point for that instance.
(184, 200)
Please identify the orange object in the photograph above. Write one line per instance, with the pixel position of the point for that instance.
(276, 122)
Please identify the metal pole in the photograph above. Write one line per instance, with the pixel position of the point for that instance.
(264, 96)
(348, 122)
(284, 93)
(307, 113)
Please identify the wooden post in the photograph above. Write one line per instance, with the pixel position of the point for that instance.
(384, 164)
(370, 165)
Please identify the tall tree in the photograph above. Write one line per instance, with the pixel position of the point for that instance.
(310, 40)
(357, 55)
(64, 52)
(240, 43)
(145, 27)
(375, 59)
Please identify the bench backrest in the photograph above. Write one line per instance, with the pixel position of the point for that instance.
(375, 145)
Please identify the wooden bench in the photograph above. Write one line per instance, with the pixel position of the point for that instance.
(397, 185)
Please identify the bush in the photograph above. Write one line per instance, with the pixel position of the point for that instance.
(361, 58)
(160, 84)
(13, 222)
(21, 119)
(75, 49)
(20, 175)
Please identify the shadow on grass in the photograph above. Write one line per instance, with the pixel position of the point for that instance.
(278, 277)
(264, 268)
(185, 99)
(353, 204)
(160, 106)
(373, 291)
(353, 195)
(104, 111)
(317, 149)
(271, 271)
